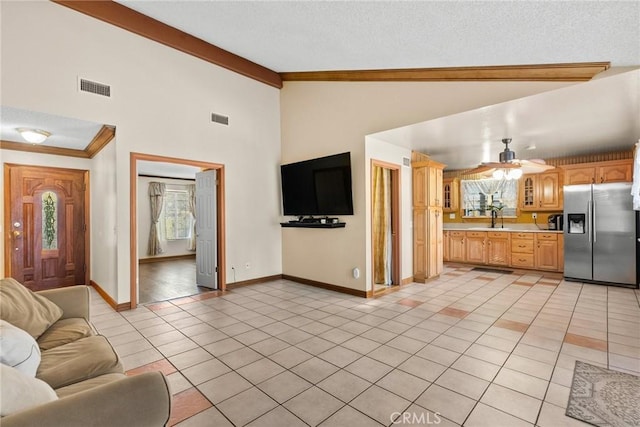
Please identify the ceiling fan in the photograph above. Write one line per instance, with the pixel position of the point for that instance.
(509, 167)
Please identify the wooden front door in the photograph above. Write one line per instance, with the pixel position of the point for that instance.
(46, 222)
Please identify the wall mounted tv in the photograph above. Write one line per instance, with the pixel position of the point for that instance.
(319, 186)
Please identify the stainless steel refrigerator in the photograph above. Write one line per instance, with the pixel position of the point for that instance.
(600, 234)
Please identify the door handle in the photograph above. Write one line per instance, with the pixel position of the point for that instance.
(17, 234)
(593, 226)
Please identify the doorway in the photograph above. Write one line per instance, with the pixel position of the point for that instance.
(220, 275)
(385, 224)
(46, 218)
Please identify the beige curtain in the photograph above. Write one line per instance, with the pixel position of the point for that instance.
(381, 225)
(192, 208)
(156, 198)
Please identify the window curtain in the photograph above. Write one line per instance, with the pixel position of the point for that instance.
(507, 193)
(381, 225)
(156, 198)
(192, 208)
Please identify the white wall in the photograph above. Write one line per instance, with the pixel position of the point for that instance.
(161, 104)
(323, 118)
(169, 247)
(104, 213)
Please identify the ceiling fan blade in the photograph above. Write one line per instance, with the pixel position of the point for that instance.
(498, 165)
(480, 169)
(529, 166)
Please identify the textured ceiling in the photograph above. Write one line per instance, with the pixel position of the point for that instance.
(354, 35)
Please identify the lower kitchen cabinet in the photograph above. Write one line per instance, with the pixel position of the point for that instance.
(498, 248)
(445, 245)
(546, 251)
(475, 247)
(456, 246)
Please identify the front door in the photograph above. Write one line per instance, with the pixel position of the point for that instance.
(46, 223)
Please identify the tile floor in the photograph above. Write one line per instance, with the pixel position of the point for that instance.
(470, 348)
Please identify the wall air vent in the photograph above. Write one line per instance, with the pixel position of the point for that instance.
(95, 87)
(406, 161)
(219, 118)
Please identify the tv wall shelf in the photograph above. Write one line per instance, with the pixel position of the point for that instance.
(301, 224)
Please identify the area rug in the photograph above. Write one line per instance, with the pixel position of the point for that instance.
(603, 397)
(492, 270)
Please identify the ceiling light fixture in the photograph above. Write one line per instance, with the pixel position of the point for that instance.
(507, 174)
(34, 136)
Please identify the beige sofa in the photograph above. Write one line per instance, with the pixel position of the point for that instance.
(80, 366)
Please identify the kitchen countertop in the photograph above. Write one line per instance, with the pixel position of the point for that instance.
(529, 228)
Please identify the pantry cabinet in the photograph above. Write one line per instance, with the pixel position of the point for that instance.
(428, 251)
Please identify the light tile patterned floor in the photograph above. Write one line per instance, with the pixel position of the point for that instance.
(470, 348)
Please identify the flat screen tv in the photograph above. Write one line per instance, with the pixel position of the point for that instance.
(319, 186)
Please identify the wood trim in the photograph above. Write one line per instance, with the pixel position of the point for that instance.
(336, 288)
(102, 138)
(87, 230)
(107, 298)
(573, 72)
(43, 149)
(133, 223)
(7, 220)
(165, 258)
(255, 281)
(407, 281)
(142, 25)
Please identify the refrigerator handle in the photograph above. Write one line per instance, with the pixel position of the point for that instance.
(593, 225)
(588, 224)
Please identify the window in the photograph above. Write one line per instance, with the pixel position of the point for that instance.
(177, 216)
(480, 196)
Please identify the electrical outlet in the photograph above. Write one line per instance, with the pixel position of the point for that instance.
(534, 215)
(247, 265)
(452, 216)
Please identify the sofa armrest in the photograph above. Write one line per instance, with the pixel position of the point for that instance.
(73, 300)
(140, 400)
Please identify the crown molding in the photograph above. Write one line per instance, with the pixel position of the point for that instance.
(102, 138)
(142, 25)
(580, 71)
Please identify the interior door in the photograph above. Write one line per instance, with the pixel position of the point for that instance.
(47, 226)
(206, 222)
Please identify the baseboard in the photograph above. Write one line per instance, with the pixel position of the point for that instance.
(105, 296)
(165, 258)
(406, 281)
(336, 288)
(253, 281)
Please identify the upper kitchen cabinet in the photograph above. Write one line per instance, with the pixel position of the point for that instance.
(541, 192)
(450, 195)
(599, 172)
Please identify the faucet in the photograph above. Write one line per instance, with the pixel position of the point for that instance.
(494, 217)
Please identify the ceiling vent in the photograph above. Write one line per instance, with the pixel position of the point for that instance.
(219, 118)
(95, 87)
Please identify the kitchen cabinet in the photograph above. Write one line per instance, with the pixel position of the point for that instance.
(450, 195)
(445, 245)
(546, 251)
(599, 172)
(428, 248)
(522, 254)
(456, 246)
(498, 248)
(475, 247)
(541, 192)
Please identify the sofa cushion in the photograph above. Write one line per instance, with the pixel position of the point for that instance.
(18, 349)
(88, 384)
(78, 361)
(26, 310)
(65, 331)
(19, 391)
